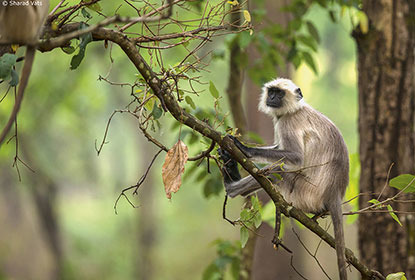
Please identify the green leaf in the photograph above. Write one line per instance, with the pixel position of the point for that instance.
(244, 39)
(256, 205)
(235, 268)
(310, 61)
(332, 15)
(189, 101)
(6, 63)
(404, 182)
(68, 50)
(277, 176)
(322, 3)
(396, 276)
(244, 236)
(212, 272)
(157, 112)
(149, 103)
(292, 53)
(268, 213)
(76, 59)
(14, 81)
(374, 201)
(222, 262)
(247, 16)
(296, 61)
(363, 22)
(213, 90)
(295, 24)
(313, 31)
(85, 13)
(308, 41)
(352, 191)
(245, 215)
(257, 219)
(394, 216)
(85, 39)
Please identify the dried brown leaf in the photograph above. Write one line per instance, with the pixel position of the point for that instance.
(173, 168)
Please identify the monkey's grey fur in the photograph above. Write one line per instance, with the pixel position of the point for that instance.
(21, 24)
(306, 141)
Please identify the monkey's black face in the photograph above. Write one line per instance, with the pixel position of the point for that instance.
(275, 97)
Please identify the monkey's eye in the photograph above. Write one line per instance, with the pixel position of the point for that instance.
(275, 92)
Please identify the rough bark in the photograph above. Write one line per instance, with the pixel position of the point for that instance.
(386, 127)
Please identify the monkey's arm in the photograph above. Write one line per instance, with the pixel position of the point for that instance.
(234, 185)
(272, 154)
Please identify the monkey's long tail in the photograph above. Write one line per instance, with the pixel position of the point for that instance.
(27, 67)
(335, 210)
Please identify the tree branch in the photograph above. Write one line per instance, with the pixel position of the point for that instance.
(162, 91)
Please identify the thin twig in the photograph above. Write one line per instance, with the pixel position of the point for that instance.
(136, 186)
(386, 181)
(224, 211)
(311, 254)
(295, 269)
(204, 153)
(56, 7)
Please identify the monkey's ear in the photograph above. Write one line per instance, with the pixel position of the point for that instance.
(299, 93)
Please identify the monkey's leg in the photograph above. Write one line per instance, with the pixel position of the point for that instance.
(230, 170)
(234, 185)
(243, 187)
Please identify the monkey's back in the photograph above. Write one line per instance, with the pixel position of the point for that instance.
(324, 172)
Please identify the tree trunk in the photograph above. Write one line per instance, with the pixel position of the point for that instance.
(386, 127)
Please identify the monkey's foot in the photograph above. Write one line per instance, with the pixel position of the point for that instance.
(278, 242)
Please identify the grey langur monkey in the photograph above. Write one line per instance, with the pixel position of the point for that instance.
(315, 170)
(21, 23)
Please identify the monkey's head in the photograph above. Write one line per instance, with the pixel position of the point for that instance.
(279, 97)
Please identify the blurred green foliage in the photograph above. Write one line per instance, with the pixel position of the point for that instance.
(65, 112)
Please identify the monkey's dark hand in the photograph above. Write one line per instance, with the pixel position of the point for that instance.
(230, 167)
(242, 147)
(224, 155)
